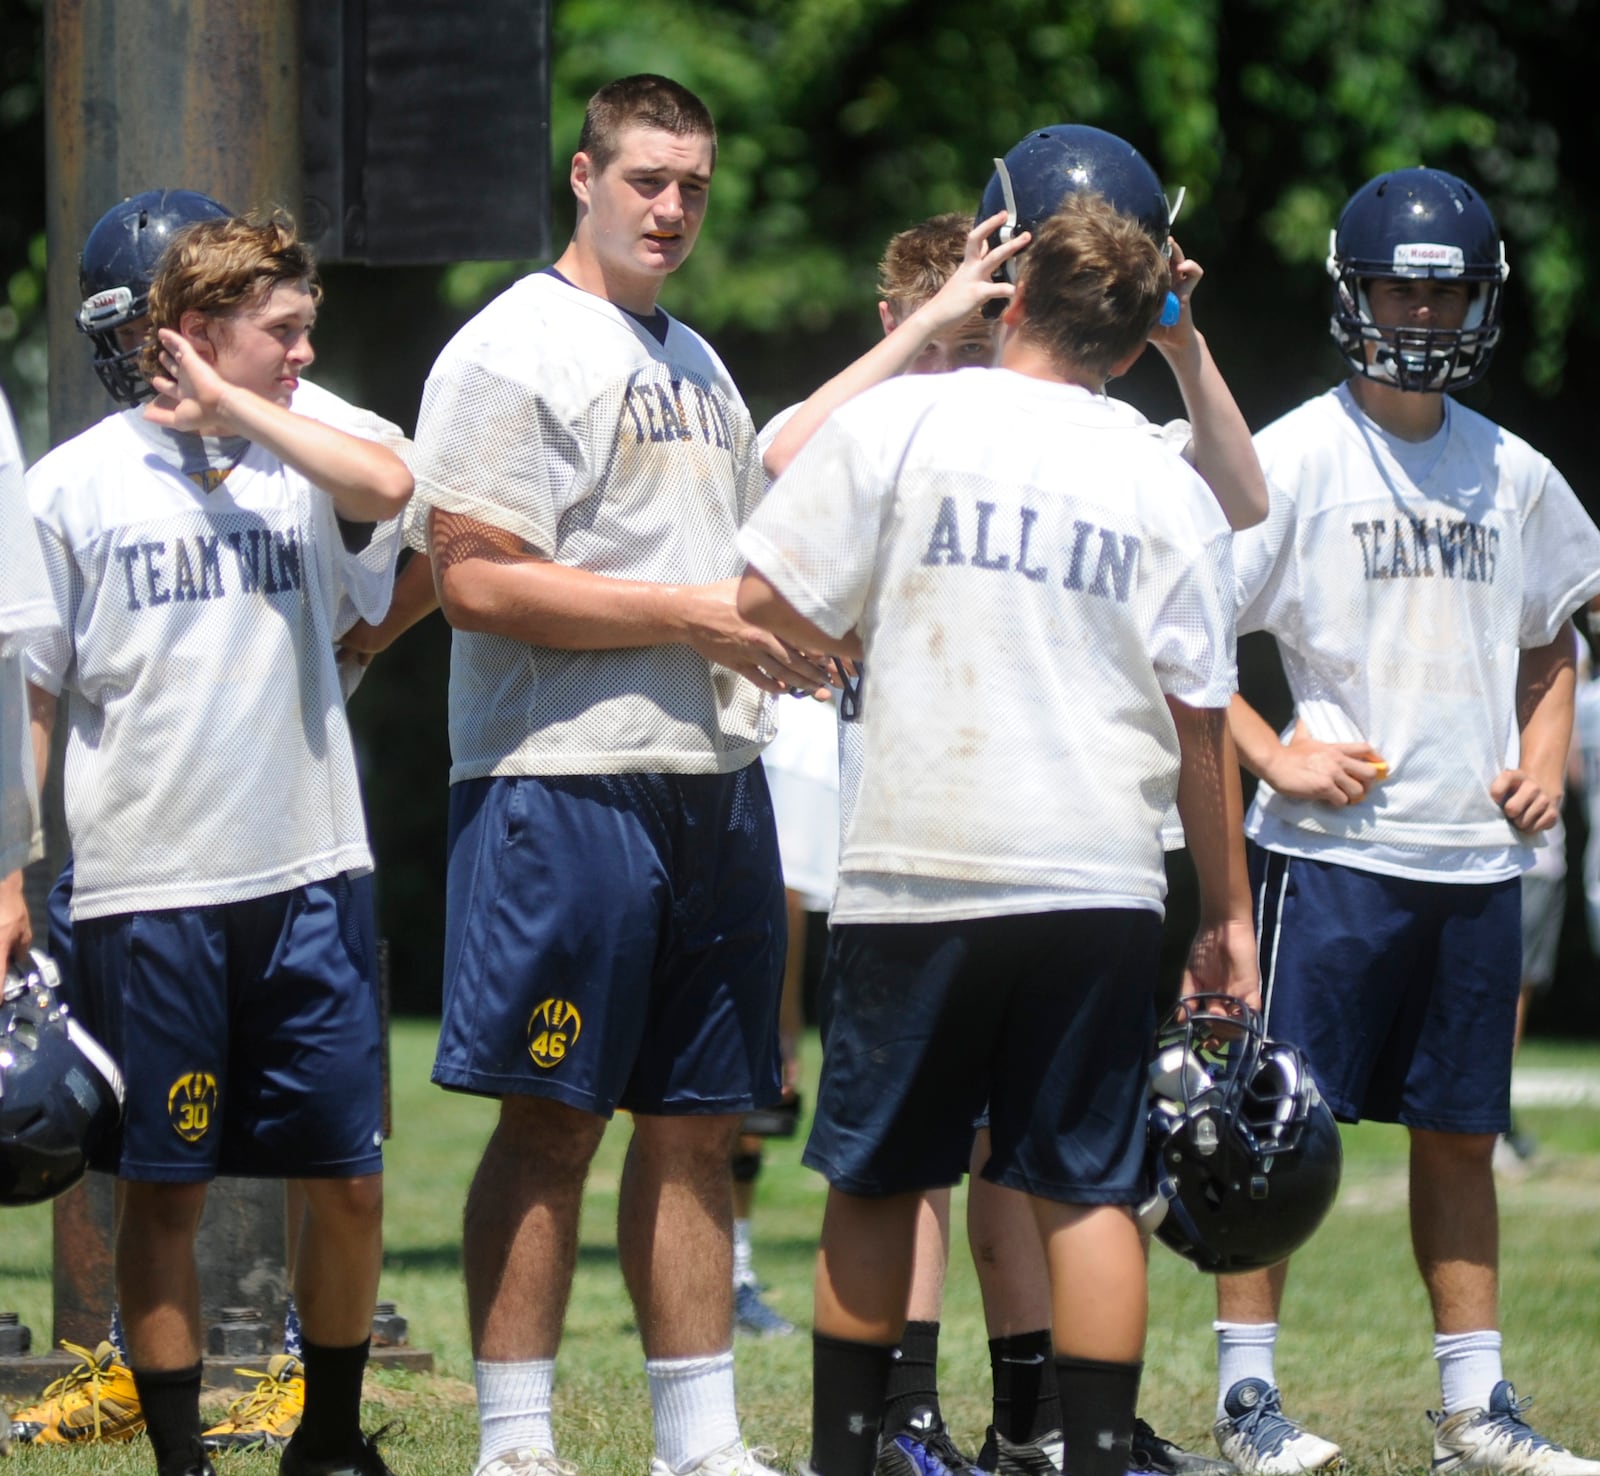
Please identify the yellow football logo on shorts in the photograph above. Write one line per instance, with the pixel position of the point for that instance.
(552, 1031)
(191, 1104)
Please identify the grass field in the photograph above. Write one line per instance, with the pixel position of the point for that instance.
(1354, 1360)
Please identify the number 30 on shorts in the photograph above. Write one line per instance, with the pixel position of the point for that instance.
(552, 1031)
(191, 1104)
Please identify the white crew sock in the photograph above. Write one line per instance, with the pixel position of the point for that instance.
(1469, 1368)
(743, 1270)
(692, 1402)
(1244, 1351)
(513, 1407)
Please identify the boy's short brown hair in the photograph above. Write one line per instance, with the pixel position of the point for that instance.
(1092, 283)
(219, 267)
(919, 260)
(641, 101)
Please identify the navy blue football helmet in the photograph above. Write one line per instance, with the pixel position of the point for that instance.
(60, 1091)
(1417, 223)
(114, 274)
(1244, 1152)
(1033, 179)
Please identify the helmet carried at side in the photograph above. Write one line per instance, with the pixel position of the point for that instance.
(1244, 1153)
(1417, 224)
(115, 270)
(60, 1091)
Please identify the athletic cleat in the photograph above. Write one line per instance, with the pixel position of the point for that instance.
(365, 1462)
(923, 1447)
(97, 1400)
(737, 1459)
(1154, 1456)
(265, 1418)
(1261, 1440)
(1499, 1439)
(527, 1462)
(752, 1315)
(1041, 1457)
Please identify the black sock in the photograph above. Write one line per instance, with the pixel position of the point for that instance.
(848, 1381)
(1026, 1403)
(330, 1429)
(913, 1376)
(170, 1398)
(1097, 1402)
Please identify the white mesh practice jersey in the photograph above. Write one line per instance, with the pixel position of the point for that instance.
(208, 756)
(556, 417)
(1032, 573)
(1175, 435)
(26, 608)
(1401, 583)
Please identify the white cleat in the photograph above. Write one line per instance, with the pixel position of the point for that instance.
(737, 1459)
(1499, 1439)
(527, 1462)
(1261, 1440)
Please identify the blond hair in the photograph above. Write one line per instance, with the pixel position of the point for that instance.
(219, 267)
(919, 260)
(1092, 284)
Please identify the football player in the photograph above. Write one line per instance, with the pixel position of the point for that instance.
(201, 552)
(995, 541)
(97, 1400)
(1418, 568)
(936, 280)
(615, 917)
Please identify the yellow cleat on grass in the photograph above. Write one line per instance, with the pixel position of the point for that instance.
(96, 1400)
(265, 1418)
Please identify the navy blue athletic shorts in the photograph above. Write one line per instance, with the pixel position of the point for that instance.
(248, 1034)
(1402, 993)
(1047, 1017)
(614, 940)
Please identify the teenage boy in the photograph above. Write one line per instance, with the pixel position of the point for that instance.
(1418, 568)
(615, 919)
(201, 552)
(934, 281)
(1004, 549)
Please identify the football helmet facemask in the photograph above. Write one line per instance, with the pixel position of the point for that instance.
(1244, 1153)
(60, 1091)
(114, 273)
(1414, 224)
(1033, 179)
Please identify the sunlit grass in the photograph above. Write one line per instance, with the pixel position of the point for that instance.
(1354, 1358)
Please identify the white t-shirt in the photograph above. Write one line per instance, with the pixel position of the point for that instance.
(559, 418)
(26, 608)
(1032, 574)
(1401, 583)
(1175, 435)
(208, 755)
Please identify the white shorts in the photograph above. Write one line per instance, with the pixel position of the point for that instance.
(802, 765)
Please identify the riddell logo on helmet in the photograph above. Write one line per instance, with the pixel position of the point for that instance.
(1429, 254)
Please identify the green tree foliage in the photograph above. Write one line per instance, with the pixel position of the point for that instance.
(843, 120)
